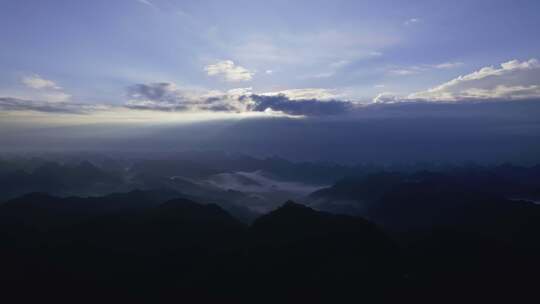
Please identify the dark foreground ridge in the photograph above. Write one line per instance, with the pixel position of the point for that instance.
(182, 250)
(131, 247)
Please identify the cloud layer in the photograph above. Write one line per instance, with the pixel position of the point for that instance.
(168, 97)
(511, 80)
(304, 107)
(8, 104)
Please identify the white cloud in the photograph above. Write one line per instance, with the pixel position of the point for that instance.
(229, 71)
(386, 97)
(511, 80)
(308, 93)
(412, 21)
(448, 65)
(37, 82)
(43, 90)
(503, 92)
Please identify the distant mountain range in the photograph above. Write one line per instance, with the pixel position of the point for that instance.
(149, 245)
(456, 234)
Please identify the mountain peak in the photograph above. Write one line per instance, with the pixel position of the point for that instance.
(291, 208)
(292, 204)
(191, 211)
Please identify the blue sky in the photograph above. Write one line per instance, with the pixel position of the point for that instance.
(164, 54)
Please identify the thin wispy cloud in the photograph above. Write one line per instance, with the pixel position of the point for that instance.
(448, 65)
(412, 21)
(417, 69)
(147, 3)
(406, 71)
(11, 104)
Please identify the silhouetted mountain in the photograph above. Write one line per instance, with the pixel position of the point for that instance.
(189, 211)
(458, 228)
(364, 193)
(129, 250)
(298, 250)
(182, 247)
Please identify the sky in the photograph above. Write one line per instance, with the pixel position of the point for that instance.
(333, 80)
(98, 52)
(332, 67)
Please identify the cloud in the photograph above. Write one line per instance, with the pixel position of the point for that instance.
(147, 2)
(152, 91)
(332, 68)
(44, 89)
(393, 106)
(320, 75)
(324, 50)
(386, 97)
(57, 96)
(340, 64)
(304, 107)
(229, 71)
(168, 97)
(416, 69)
(511, 80)
(448, 65)
(308, 93)
(406, 71)
(412, 21)
(37, 82)
(8, 104)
